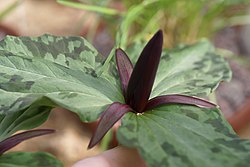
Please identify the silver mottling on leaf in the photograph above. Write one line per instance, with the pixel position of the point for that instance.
(168, 136)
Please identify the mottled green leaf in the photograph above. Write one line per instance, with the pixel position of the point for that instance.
(67, 78)
(37, 74)
(186, 136)
(21, 159)
(190, 70)
(73, 52)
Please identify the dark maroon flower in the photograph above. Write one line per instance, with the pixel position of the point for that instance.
(136, 86)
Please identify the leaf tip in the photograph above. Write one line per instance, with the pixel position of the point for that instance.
(92, 143)
(14, 140)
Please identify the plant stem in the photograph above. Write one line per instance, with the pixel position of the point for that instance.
(106, 140)
(92, 8)
(7, 10)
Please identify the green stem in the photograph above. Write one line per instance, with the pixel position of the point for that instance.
(8, 9)
(106, 140)
(92, 8)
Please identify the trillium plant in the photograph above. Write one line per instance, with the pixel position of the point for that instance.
(160, 102)
(136, 86)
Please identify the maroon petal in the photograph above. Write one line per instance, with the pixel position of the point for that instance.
(18, 138)
(143, 75)
(108, 118)
(124, 67)
(179, 99)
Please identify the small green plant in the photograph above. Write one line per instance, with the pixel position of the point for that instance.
(182, 21)
(40, 73)
(136, 87)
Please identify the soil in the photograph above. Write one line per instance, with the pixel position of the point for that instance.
(6, 31)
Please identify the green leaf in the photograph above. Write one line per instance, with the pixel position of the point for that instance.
(73, 52)
(38, 74)
(54, 71)
(23, 120)
(187, 136)
(190, 70)
(91, 8)
(21, 159)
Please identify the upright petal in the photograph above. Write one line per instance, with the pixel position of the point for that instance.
(124, 67)
(108, 118)
(179, 99)
(143, 75)
(12, 141)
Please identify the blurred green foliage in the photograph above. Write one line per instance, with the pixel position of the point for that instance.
(183, 21)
